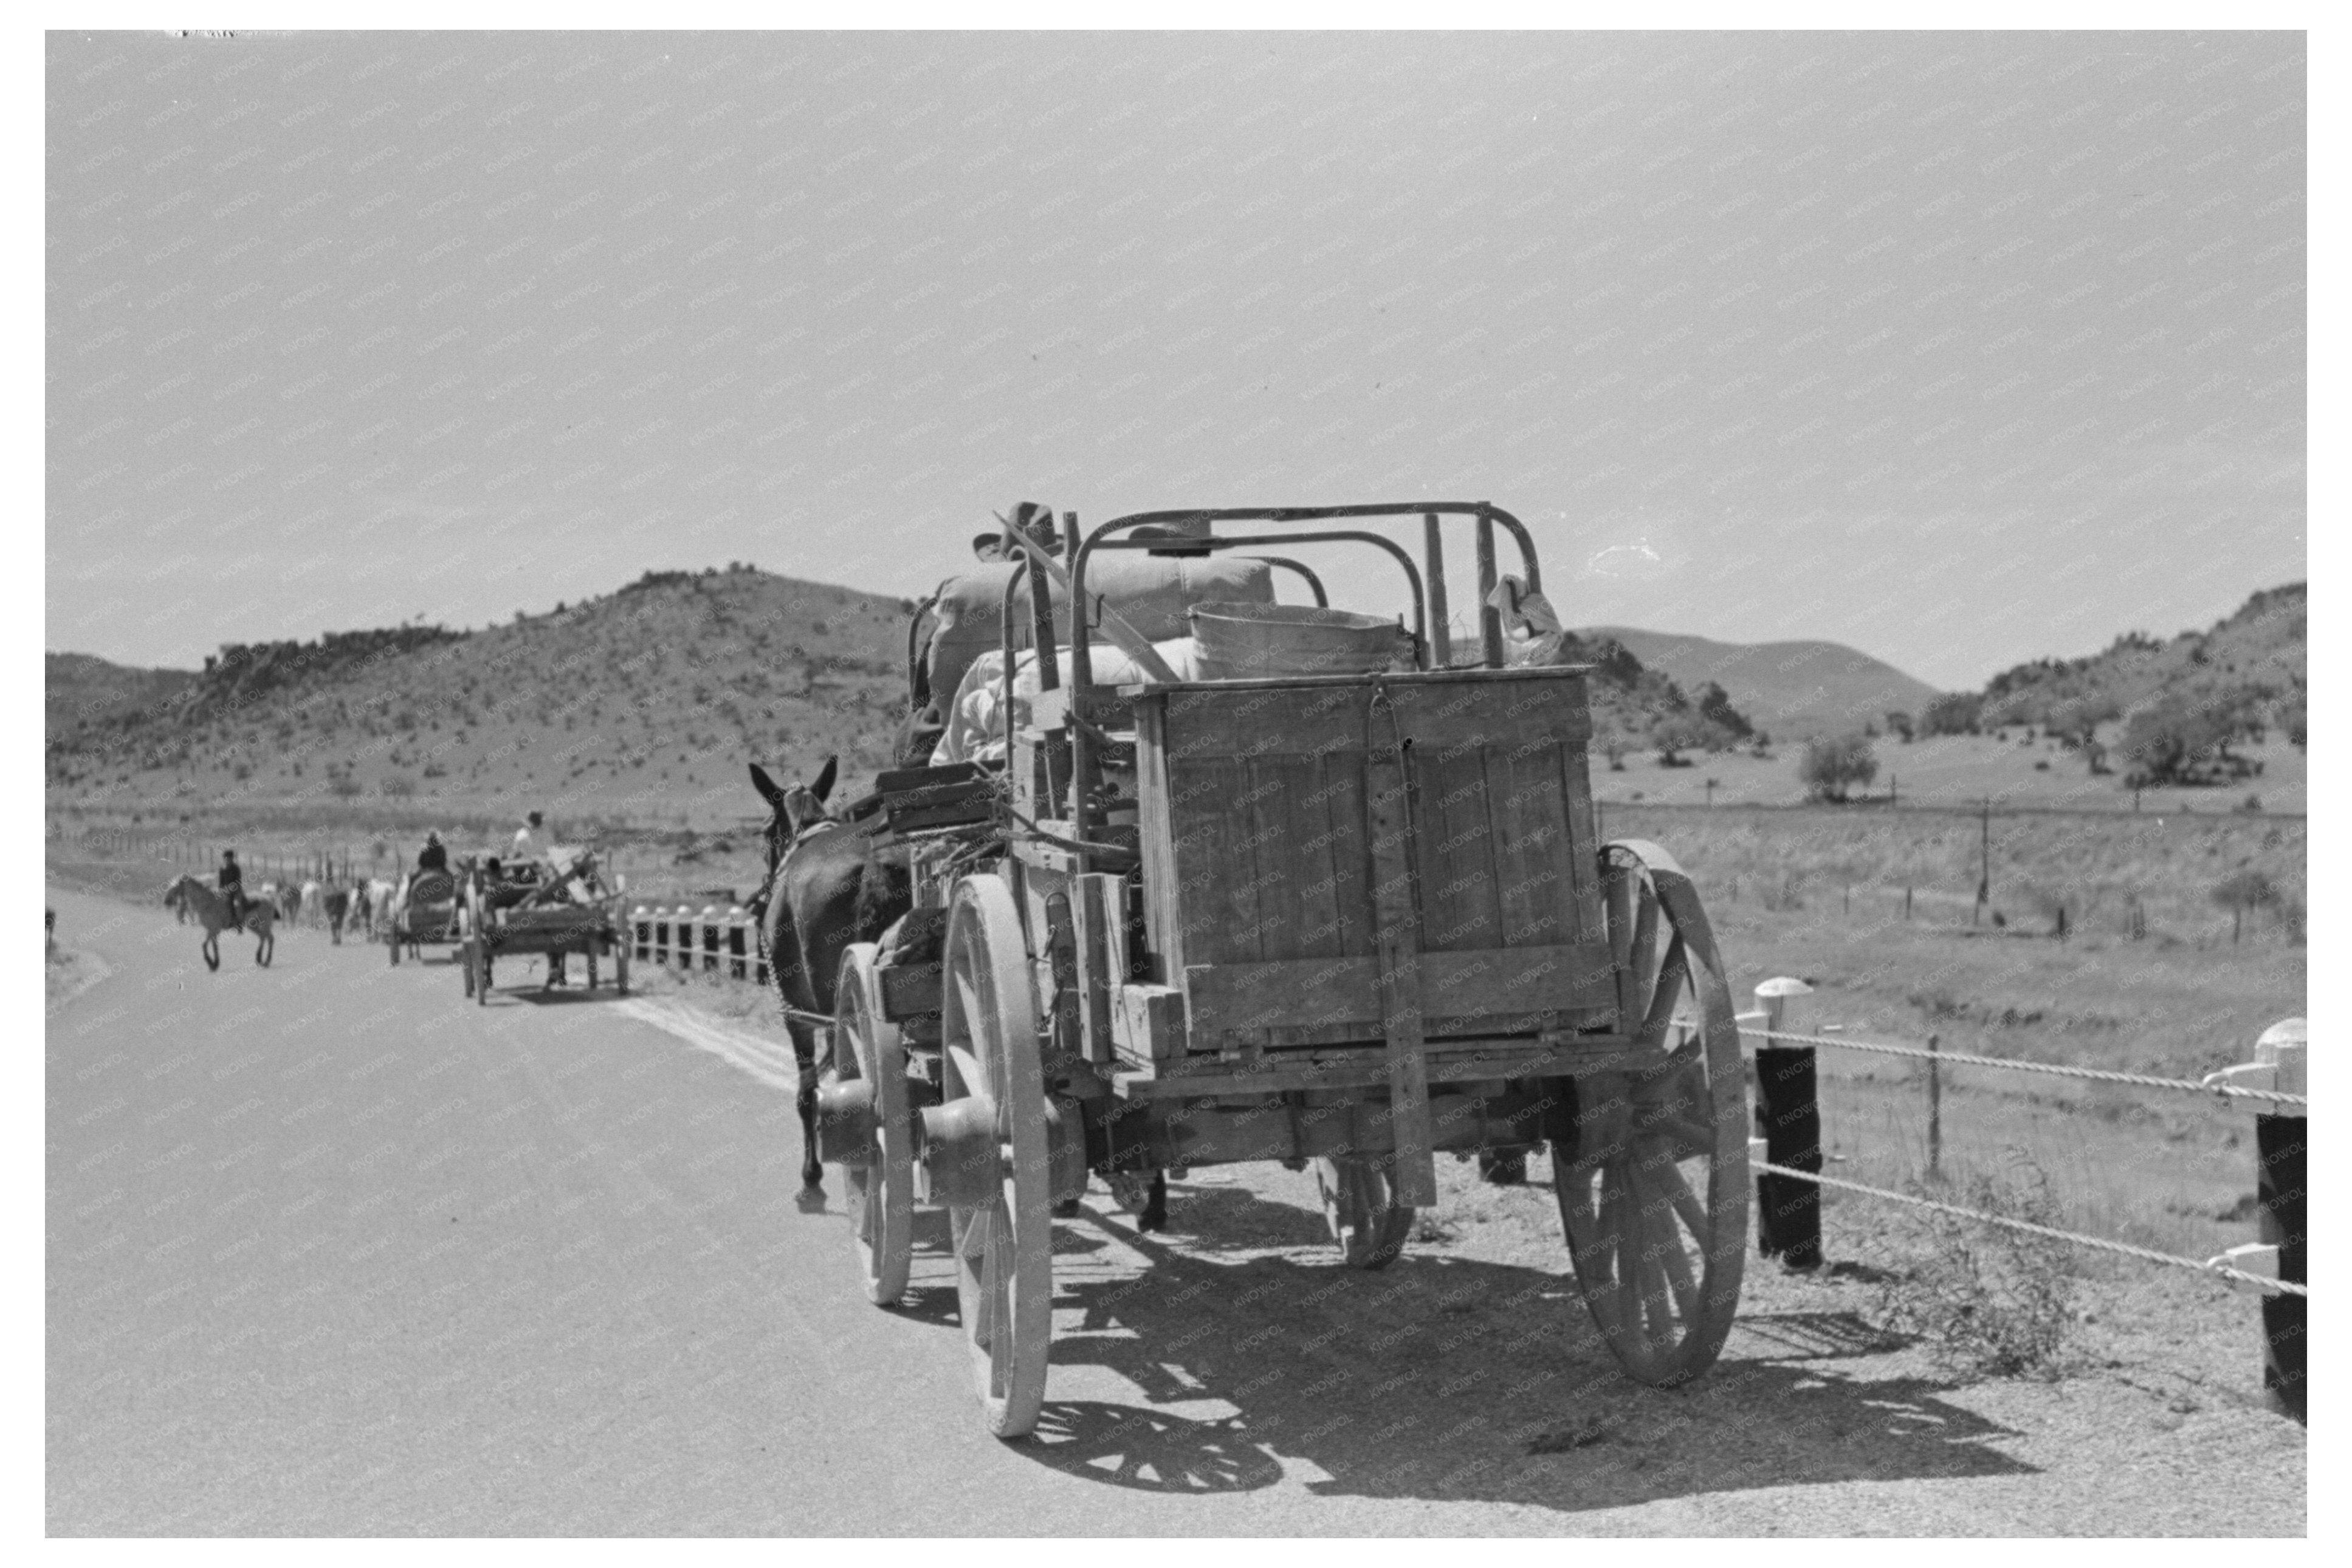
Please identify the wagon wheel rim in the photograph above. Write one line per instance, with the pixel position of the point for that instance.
(1653, 1177)
(1360, 1209)
(1002, 1248)
(881, 1193)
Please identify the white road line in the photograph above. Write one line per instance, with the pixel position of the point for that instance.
(769, 1061)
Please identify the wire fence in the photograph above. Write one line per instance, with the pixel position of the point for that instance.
(2103, 1244)
(1753, 1027)
(2012, 1064)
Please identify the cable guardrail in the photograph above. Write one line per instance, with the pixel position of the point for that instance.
(2054, 1069)
(2211, 1265)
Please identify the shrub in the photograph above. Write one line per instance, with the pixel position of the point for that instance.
(1988, 1300)
(1832, 766)
(398, 786)
(2243, 890)
(1954, 713)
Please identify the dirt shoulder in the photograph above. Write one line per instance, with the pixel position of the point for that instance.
(1468, 1370)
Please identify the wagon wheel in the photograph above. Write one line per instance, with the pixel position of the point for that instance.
(881, 1193)
(1003, 1247)
(1652, 1173)
(1360, 1206)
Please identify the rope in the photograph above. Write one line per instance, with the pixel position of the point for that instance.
(2100, 1243)
(2096, 1075)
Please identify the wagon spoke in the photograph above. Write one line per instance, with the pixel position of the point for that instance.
(1642, 950)
(1671, 972)
(967, 1069)
(1678, 1275)
(1686, 1204)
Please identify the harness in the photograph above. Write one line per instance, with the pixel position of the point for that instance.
(759, 907)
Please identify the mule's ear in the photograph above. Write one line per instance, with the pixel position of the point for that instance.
(988, 547)
(823, 786)
(767, 787)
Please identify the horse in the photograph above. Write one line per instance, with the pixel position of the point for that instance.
(211, 910)
(175, 903)
(310, 905)
(289, 903)
(335, 903)
(821, 894)
(370, 902)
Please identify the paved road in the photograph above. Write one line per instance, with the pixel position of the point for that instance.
(332, 1251)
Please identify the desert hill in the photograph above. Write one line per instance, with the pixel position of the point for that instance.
(641, 705)
(1791, 689)
(83, 688)
(2251, 666)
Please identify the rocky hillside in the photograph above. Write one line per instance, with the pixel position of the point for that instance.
(641, 705)
(638, 707)
(84, 689)
(2252, 663)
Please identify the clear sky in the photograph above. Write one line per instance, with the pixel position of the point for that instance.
(1960, 348)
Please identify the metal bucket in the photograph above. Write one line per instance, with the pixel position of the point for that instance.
(1255, 642)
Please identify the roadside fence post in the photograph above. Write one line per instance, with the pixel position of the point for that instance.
(2284, 1253)
(1788, 1119)
(641, 933)
(1935, 1111)
(710, 939)
(736, 969)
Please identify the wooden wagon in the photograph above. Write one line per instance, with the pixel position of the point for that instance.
(1346, 920)
(550, 908)
(429, 907)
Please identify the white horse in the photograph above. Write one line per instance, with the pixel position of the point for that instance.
(376, 905)
(310, 903)
(211, 910)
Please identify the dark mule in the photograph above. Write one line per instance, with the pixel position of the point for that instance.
(336, 905)
(821, 894)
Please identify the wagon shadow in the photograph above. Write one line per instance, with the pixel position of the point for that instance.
(1450, 1379)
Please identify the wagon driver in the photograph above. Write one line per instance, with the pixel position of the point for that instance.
(530, 840)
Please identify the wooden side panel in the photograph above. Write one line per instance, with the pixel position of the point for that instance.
(1308, 720)
(1534, 863)
(1584, 862)
(1216, 865)
(1257, 848)
(1455, 834)
(1462, 991)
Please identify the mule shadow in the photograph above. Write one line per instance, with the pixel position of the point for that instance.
(1449, 1379)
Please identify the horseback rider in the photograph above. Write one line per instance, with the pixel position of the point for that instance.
(231, 880)
(433, 857)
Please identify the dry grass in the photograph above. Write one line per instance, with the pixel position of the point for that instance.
(1987, 1301)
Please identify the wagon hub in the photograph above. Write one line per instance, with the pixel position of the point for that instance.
(844, 1122)
(962, 1160)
